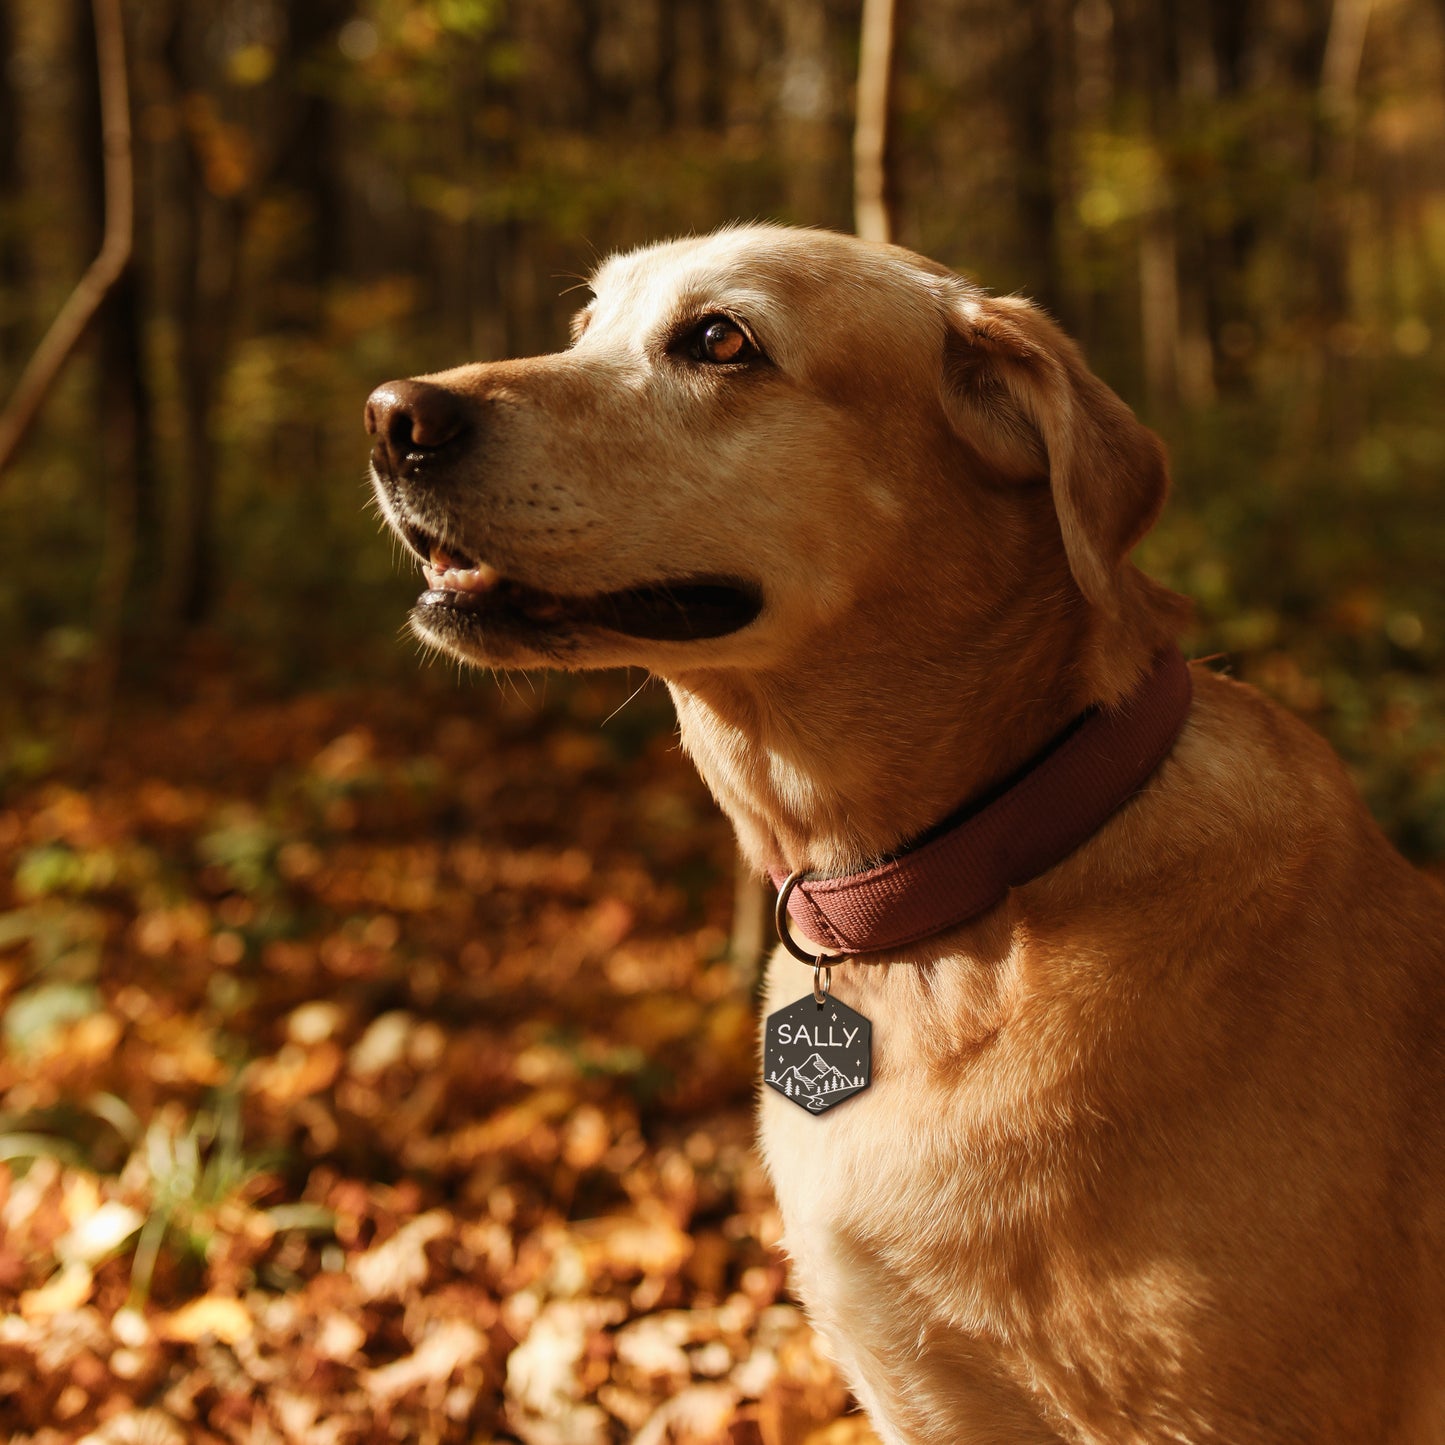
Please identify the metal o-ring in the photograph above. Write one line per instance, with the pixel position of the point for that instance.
(819, 958)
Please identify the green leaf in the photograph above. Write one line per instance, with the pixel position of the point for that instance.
(39, 1013)
(38, 1146)
(302, 1216)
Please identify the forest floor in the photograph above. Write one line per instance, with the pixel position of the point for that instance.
(374, 1070)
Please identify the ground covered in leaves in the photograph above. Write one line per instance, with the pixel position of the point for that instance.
(374, 1069)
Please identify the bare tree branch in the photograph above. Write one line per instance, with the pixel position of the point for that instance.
(871, 216)
(116, 245)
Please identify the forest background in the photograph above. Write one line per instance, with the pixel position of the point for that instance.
(378, 1044)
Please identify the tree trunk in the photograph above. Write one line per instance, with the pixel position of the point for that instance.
(805, 107)
(1148, 62)
(1031, 96)
(308, 167)
(1159, 306)
(122, 400)
(206, 228)
(1198, 92)
(877, 51)
(308, 178)
(1339, 121)
(210, 230)
(114, 253)
(12, 273)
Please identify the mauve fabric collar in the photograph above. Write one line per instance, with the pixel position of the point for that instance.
(965, 866)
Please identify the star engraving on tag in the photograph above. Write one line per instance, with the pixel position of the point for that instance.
(817, 1056)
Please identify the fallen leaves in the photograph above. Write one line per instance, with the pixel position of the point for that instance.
(211, 1317)
(446, 1352)
(99, 1228)
(371, 1080)
(64, 1293)
(399, 1265)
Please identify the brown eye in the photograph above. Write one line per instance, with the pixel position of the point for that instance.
(719, 340)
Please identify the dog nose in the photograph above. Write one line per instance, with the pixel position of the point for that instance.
(411, 416)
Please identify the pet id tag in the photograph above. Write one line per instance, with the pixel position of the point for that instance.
(816, 1054)
(818, 1051)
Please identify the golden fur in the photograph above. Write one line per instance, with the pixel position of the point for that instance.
(1153, 1151)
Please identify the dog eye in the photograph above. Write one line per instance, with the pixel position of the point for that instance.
(721, 340)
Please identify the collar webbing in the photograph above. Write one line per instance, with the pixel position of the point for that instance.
(963, 868)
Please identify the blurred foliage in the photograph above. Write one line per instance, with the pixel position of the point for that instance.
(1240, 211)
(400, 1109)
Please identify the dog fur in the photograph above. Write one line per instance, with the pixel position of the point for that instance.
(1153, 1150)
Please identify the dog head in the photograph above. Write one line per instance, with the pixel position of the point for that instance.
(759, 439)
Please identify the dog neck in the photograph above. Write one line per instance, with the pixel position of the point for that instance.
(822, 769)
(826, 777)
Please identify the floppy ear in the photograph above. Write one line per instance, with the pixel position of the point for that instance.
(1018, 391)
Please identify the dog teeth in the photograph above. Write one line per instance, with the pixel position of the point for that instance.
(480, 578)
(443, 574)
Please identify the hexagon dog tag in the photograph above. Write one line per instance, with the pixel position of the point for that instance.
(817, 1055)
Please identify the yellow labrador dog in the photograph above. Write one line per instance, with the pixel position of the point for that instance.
(1154, 1144)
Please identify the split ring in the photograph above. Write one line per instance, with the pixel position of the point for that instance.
(822, 981)
(819, 958)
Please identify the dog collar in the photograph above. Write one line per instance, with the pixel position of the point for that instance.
(964, 866)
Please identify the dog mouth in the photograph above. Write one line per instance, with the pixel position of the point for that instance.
(462, 589)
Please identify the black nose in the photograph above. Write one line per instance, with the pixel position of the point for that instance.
(407, 417)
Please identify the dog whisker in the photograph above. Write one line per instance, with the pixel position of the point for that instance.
(635, 691)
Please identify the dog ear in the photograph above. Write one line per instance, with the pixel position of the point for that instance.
(1018, 391)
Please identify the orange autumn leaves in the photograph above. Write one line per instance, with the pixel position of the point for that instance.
(374, 1069)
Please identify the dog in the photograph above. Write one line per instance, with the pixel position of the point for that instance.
(1154, 1144)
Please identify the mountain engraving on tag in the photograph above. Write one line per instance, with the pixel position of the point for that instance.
(817, 1057)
